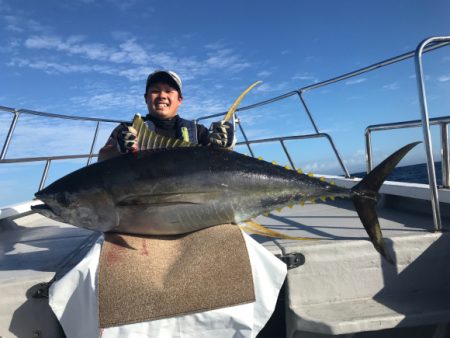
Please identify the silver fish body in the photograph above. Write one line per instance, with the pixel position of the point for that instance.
(175, 191)
(180, 190)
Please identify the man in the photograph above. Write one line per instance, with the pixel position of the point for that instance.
(163, 96)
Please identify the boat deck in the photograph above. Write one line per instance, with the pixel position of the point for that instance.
(342, 272)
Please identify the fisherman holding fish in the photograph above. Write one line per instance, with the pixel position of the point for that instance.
(163, 96)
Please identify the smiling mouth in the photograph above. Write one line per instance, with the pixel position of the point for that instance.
(161, 105)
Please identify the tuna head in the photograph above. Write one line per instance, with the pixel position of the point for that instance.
(91, 209)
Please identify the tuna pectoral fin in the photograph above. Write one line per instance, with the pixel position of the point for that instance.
(252, 227)
(364, 197)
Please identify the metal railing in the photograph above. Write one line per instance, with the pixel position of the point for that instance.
(308, 136)
(443, 122)
(47, 159)
(290, 138)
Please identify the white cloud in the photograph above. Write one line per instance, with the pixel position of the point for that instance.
(392, 86)
(72, 45)
(444, 78)
(264, 73)
(356, 81)
(137, 60)
(61, 68)
(226, 58)
(108, 101)
(120, 4)
(128, 52)
(18, 24)
(268, 87)
(13, 24)
(202, 104)
(305, 77)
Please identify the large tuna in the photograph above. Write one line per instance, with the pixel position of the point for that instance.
(179, 190)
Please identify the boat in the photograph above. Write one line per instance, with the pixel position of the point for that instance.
(336, 286)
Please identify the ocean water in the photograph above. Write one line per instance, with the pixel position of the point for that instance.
(416, 173)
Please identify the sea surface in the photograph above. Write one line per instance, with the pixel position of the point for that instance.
(416, 173)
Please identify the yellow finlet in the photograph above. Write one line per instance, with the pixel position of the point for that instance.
(260, 158)
(274, 162)
(310, 174)
(323, 198)
(322, 179)
(302, 202)
(287, 167)
(300, 171)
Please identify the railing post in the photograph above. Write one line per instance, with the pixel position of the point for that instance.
(10, 134)
(369, 160)
(93, 143)
(300, 95)
(445, 156)
(338, 156)
(44, 174)
(426, 129)
(245, 136)
(287, 154)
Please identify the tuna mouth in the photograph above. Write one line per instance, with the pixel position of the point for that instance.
(46, 211)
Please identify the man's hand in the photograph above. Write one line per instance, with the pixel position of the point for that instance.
(127, 139)
(221, 134)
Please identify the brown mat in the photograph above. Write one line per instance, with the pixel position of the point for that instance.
(146, 278)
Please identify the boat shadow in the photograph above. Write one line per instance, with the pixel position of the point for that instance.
(35, 318)
(39, 248)
(417, 287)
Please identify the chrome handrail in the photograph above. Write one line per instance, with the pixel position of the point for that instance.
(282, 140)
(426, 126)
(299, 93)
(442, 121)
(48, 159)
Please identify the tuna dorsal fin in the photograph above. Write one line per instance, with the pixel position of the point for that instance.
(148, 139)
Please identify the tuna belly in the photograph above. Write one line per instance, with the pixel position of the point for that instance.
(171, 218)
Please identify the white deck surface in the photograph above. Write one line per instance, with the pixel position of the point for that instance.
(343, 287)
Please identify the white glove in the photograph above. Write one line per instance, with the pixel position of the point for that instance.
(221, 134)
(127, 139)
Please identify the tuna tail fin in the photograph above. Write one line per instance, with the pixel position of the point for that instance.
(364, 197)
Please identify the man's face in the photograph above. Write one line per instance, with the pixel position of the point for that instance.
(162, 100)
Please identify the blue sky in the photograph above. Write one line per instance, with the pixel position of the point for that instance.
(91, 58)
